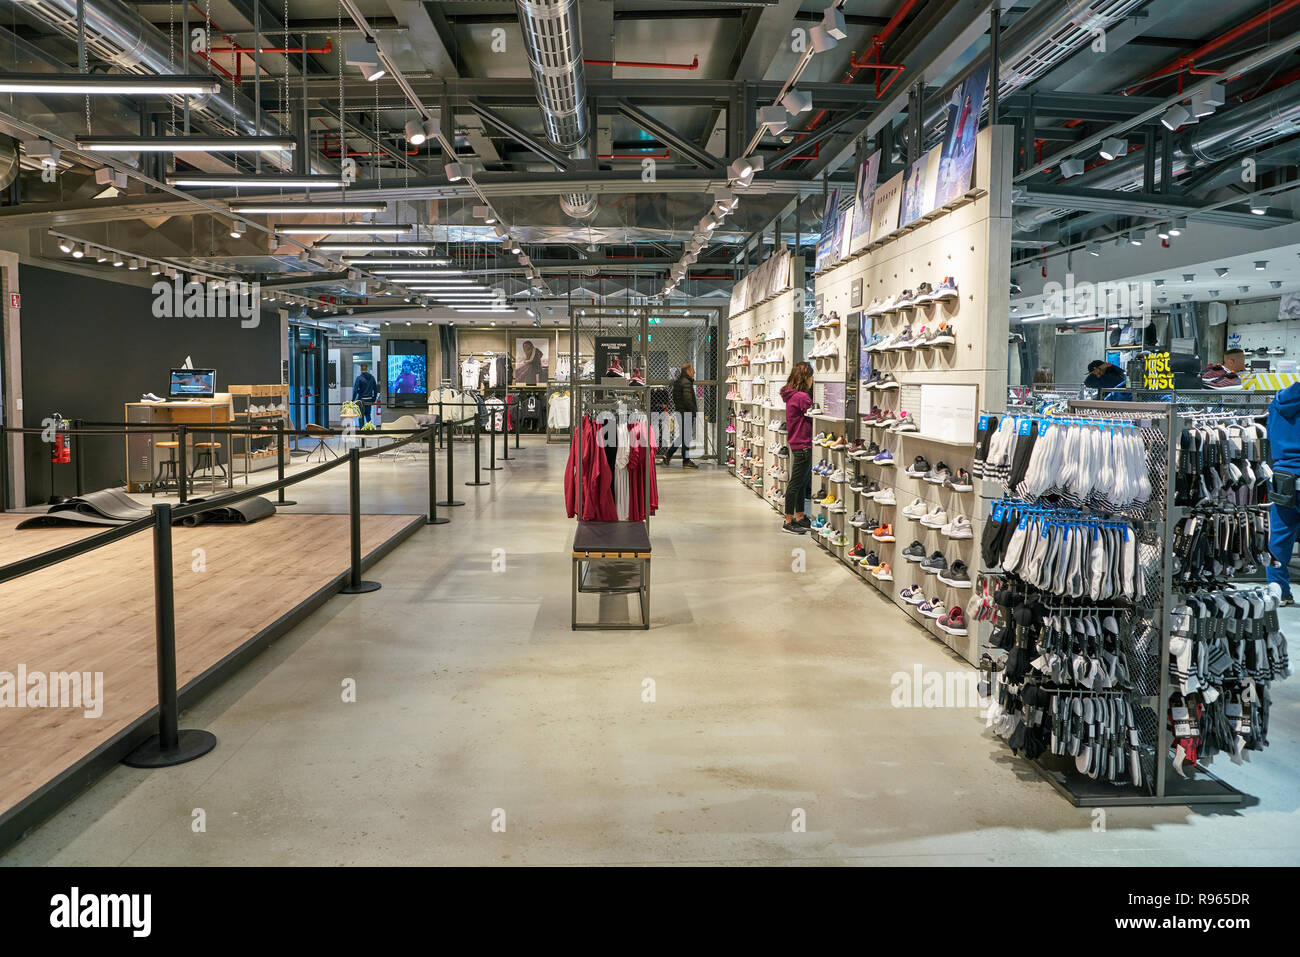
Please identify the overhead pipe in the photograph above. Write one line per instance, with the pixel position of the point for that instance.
(553, 43)
(643, 65)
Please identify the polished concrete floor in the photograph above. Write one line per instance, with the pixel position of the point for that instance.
(485, 731)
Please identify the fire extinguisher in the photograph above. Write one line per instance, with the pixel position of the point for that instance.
(61, 451)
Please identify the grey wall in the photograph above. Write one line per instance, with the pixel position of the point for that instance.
(89, 346)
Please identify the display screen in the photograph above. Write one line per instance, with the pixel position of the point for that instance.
(193, 383)
(408, 370)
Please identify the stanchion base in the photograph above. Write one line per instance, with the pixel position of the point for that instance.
(281, 504)
(190, 745)
(361, 588)
(478, 483)
(436, 521)
(493, 468)
(450, 503)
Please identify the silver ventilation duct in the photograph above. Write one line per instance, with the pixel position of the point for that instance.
(1037, 43)
(553, 42)
(117, 34)
(1230, 133)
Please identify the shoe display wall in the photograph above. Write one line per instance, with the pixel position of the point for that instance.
(765, 339)
(932, 308)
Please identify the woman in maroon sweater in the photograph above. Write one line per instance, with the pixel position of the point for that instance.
(797, 393)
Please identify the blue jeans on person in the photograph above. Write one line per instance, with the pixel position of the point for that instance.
(683, 421)
(1283, 528)
(366, 408)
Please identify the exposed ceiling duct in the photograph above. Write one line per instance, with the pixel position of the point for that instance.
(117, 34)
(1230, 133)
(553, 42)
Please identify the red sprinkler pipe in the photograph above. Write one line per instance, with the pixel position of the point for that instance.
(335, 154)
(643, 65)
(1187, 62)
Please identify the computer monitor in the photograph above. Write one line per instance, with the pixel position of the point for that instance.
(193, 384)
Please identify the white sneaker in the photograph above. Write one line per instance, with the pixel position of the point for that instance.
(150, 397)
(839, 477)
(959, 527)
(886, 497)
(935, 518)
(916, 510)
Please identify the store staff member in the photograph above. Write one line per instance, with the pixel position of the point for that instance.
(365, 390)
(1284, 519)
(1104, 376)
(1234, 360)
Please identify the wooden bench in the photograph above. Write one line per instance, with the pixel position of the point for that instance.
(612, 558)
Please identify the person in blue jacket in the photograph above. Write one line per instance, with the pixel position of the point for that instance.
(365, 390)
(1284, 521)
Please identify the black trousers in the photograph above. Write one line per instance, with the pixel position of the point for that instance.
(799, 489)
(685, 429)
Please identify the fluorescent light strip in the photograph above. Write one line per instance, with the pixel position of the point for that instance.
(342, 229)
(255, 208)
(375, 247)
(107, 84)
(184, 144)
(262, 181)
(410, 261)
(431, 273)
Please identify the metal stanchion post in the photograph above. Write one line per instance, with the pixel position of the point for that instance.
(355, 585)
(183, 453)
(76, 457)
(505, 434)
(279, 465)
(434, 518)
(478, 434)
(517, 421)
(492, 445)
(451, 449)
(442, 417)
(169, 746)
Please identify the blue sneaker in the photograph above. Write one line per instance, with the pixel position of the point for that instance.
(885, 457)
(819, 523)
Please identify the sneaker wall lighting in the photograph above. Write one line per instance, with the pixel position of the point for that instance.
(1221, 271)
(833, 22)
(238, 228)
(821, 39)
(1176, 116)
(1204, 102)
(1136, 237)
(773, 119)
(363, 54)
(1113, 147)
(1261, 265)
(485, 214)
(1094, 249)
(418, 132)
(1071, 167)
(109, 84)
(1258, 205)
(1178, 226)
(457, 171)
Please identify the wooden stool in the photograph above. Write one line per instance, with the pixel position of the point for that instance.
(168, 465)
(320, 434)
(209, 452)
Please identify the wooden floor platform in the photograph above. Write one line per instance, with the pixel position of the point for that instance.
(236, 586)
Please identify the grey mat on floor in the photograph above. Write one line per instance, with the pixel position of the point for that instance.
(109, 507)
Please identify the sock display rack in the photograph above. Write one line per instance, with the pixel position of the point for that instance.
(1124, 717)
(909, 341)
(764, 341)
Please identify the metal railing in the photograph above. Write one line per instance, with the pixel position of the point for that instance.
(171, 745)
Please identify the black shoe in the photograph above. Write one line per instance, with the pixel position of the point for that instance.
(689, 465)
(804, 522)
(1287, 601)
(794, 528)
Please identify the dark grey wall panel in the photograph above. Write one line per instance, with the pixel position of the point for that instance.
(89, 346)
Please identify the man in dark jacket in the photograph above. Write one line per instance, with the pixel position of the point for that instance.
(365, 390)
(684, 415)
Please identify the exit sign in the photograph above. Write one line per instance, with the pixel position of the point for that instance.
(15, 301)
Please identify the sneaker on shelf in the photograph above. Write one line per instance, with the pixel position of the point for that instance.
(818, 469)
(818, 523)
(934, 608)
(874, 308)
(839, 508)
(914, 552)
(888, 417)
(960, 482)
(885, 457)
(885, 533)
(918, 468)
(871, 490)
(913, 595)
(873, 344)
(943, 335)
(924, 293)
(916, 510)
(957, 575)
(937, 475)
(935, 518)
(856, 485)
(837, 444)
(829, 499)
(871, 451)
(883, 572)
(783, 452)
(886, 498)
(945, 290)
(887, 381)
(731, 429)
(959, 528)
(889, 305)
(906, 423)
(839, 541)
(856, 450)
(871, 561)
(954, 623)
(905, 339)
(839, 477)
(817, 410)
(934, 564)
(858, 551)
(858, 519)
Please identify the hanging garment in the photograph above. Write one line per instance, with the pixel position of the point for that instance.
(620, 474)
(470, 370)
(592, 474)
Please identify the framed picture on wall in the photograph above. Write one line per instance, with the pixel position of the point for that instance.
(532, 360)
